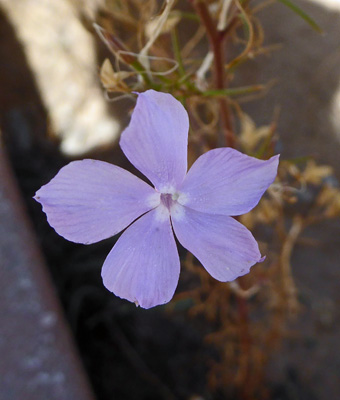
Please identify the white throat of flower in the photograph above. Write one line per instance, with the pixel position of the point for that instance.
(169, 204)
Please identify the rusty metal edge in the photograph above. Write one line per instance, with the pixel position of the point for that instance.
(39, 360)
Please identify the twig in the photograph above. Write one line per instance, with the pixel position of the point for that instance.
(245, 341)
(142, 58)
(217, 44)
(286, 253)
(222, 21)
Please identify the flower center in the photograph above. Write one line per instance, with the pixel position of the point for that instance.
(169, 199)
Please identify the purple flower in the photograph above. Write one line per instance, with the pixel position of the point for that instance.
(88, 201)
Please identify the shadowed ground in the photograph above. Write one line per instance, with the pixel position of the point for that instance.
(161, 358)
(307, 91)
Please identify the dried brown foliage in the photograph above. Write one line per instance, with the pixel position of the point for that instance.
(192, 50)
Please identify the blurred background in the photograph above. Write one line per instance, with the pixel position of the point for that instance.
(62, 334)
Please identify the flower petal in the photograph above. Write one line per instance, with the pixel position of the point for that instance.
(225, 181)
(88, 200)
(143, 266)
(225, 247)
(156, 139)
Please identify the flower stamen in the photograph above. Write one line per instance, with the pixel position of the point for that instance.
(167, 200)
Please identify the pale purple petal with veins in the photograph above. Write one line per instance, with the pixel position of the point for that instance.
(225, 247)
(156, 139)
(88, 200)
(143, 266)
(91, 200)
(225, 181)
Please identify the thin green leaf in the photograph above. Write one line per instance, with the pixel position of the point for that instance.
(184, 77)
(299, 160)
(245, 23)
(302, 14)
(189, 15)
(177, 51)
(141, 70)
(233, 91)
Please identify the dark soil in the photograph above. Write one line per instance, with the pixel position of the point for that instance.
(128, 352)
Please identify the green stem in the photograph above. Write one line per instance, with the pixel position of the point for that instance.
(177, 51)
